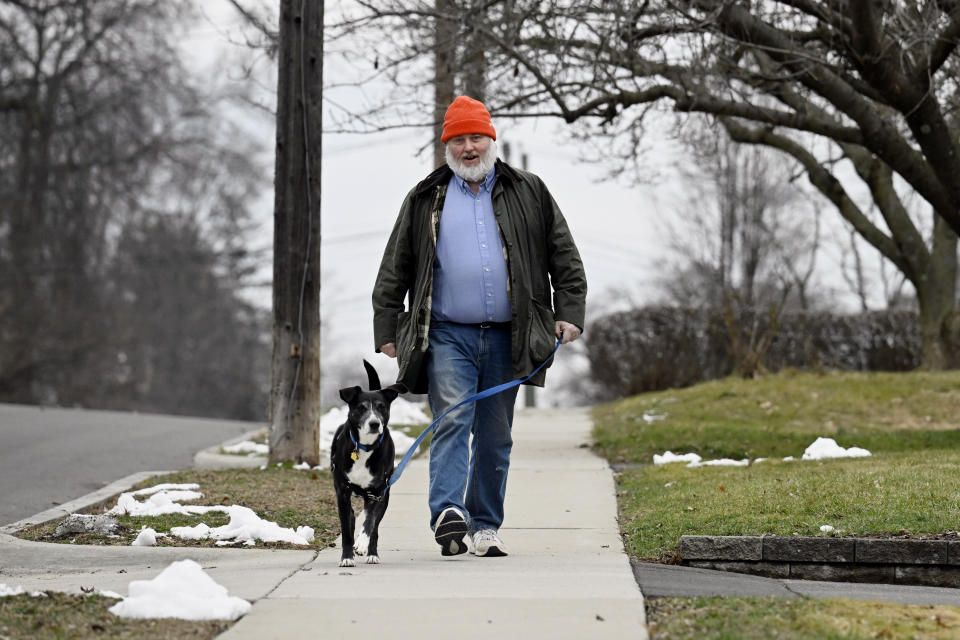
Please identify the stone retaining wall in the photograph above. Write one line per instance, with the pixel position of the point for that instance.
(876, 560)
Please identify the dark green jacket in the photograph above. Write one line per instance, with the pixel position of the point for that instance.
(539, 251)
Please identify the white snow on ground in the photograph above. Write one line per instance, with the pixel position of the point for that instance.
(722, 462)
(823, 448)
(249, 447)
(670, 456)
(826, 528)
(244, 526)
(163, 500)
(146, 538)
(182, 590)
(650, 416)
(17, 590)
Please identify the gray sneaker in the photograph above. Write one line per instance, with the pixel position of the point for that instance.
(487, 543)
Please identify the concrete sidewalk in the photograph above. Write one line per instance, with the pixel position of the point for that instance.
(567, 575)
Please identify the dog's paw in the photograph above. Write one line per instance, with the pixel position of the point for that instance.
(360, 546)
(347, 562)
(373, 559)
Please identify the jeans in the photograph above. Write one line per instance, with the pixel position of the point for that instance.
(470, 475)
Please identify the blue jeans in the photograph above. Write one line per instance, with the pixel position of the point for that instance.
(471, 476)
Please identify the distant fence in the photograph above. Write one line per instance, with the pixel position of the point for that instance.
(655, 348)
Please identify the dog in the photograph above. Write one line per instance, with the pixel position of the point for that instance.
(362, 461)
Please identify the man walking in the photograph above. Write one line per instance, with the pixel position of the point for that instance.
(479, 247)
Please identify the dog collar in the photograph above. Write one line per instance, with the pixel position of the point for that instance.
(366, 447)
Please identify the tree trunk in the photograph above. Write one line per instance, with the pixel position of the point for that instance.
(936, 296)
(444, 56)
(295, 387)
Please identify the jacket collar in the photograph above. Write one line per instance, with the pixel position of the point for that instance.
(441, 175)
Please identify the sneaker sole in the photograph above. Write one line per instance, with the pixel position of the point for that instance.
(491, 552)
(449, 535)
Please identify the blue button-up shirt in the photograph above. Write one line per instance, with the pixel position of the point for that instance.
(470, 273)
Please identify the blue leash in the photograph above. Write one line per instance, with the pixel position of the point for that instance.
(480, 395)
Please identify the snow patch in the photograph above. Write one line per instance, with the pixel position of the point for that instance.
(670, 456)
(146, 538)
(249, 447)
(182, 590)
(824, 448)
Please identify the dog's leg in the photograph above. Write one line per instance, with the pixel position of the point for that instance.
(375, 509)
(345, 508)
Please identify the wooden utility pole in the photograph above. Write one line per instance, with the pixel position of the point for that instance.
(295, 373)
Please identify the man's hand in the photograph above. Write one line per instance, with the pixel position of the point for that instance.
(569, 332)
(390, 349)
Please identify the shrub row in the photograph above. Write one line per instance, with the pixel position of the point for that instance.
(655, 348)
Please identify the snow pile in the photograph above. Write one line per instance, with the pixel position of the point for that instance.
(826, 528)
(10, 591)
(245, 526)
(163, 500)
(248, 447)
(182, 590)
(670, 456)
(146, 538)
(18, 590)
(823, 448)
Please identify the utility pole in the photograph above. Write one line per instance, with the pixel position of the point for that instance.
(294, 433)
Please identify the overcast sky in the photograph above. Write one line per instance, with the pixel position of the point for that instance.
(619, 227)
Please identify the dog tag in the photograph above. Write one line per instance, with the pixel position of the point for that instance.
(354, 456)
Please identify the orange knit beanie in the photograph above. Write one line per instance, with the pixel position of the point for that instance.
(465, 116)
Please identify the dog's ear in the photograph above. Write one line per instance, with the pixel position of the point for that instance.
(391, 392)
(373, 380)
(349, 394)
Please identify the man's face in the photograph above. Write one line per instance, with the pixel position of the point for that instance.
(468, 149)
(471, 156)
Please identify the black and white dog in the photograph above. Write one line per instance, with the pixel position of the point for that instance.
(361, 460)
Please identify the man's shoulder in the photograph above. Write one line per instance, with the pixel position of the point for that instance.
(517, 176)
(440, 175)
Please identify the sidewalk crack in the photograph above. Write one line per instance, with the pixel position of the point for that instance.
(316, 552)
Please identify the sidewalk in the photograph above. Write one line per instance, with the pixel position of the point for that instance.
(566, 576)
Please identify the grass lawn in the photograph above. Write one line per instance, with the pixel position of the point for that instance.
(61, 615)
(909, 421)
(291, 498)
(796, 619)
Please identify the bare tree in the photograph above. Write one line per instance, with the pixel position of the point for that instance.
(100, 123)
(745, 237)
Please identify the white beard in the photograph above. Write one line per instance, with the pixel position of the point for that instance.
(478, 172)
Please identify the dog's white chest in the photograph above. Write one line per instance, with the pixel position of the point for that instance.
(359, 474)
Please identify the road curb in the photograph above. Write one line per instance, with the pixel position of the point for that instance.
(211, 458)
(89, 501)
(876, 560)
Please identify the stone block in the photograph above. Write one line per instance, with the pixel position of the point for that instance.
(874, 550)
(808, 549)
(843, 572)
(930, 576)
(953, 555)
(765, 569)
(721, 547)
(82, 523)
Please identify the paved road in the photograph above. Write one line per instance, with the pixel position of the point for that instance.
(50, 456)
